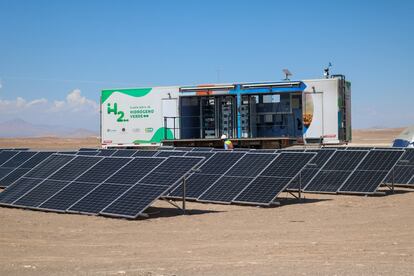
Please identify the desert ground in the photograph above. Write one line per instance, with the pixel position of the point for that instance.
(321, 235)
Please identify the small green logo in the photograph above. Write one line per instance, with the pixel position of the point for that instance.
(116, 112)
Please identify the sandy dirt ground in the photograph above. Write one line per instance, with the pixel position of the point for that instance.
(322, 235)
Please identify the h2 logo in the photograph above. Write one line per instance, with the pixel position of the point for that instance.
(116, 112)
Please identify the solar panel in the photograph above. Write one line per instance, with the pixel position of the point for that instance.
(206, 155)
(371, 173)
(88, 149)
(262, 191)
(380, 160)
(171, 170)
(40, 193)
(145, 153)
(196, 184)
(49, 166)
(365, 182)
(401, 174)
(327, 181)
(18, 159)
(170, 153)
(12, 177)
(288, 164)
(264, 150)
(135, 200)
(335, 171)
(68, 196)
(183, 148)
(408, 157)
(250, 165)
(6, 155)
(225, 189)
(202, 149)
(98, 199)
(359, 148)
(220, 162)
(36, 159)
(15, 191)
(103, 170)
(106, 152)
(124, 153)
(165, 148)
(135, 170)
(87, 153)
(5, 171)
(274, 179)
(345, 160)
(75, 168)
(310, 170)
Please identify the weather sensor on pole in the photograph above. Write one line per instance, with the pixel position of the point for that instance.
(287, 74)
(326, 71)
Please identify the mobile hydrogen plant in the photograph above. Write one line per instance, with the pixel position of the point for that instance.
(256, 115)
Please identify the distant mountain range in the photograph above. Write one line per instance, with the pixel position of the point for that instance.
(21, 128)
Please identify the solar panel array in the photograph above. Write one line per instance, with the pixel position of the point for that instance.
(334, 172)
(74, 183)
(371, 172)
(403, 172)
(124, 182)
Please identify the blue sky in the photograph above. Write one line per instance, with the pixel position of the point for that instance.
(55, 56)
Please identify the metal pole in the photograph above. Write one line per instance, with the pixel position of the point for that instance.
(165, 128)
(184, 194)
(300, 185)
(174, 127)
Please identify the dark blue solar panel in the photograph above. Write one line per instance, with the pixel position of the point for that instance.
(145, 153)
(104, 169)
(98, 199)
(12, 177)
(251, 164)
(225, 189)
(106, 152)
(87, 153)
(68, 196)
(196, 184)
(75, 168)
(124, 153)
(327, 181)
(36, 160)
(401, 174)
(380, 160)
(220, 162)
(18, 159)
(170, 153)
(19, 188)
(88, 149)
(365, 182)
(6, 155)
(134, 201)
(40, 193)
(135, 170)
(262, 191)
(345, 160)
(5, 171)
(49, 166)
(288, 164)
(202, 149)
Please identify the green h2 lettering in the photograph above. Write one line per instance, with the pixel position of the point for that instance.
(116, 112)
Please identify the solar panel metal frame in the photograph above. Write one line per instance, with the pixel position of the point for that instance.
(281, 190)
(356, 170)
(326, 163)
(167, 188)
